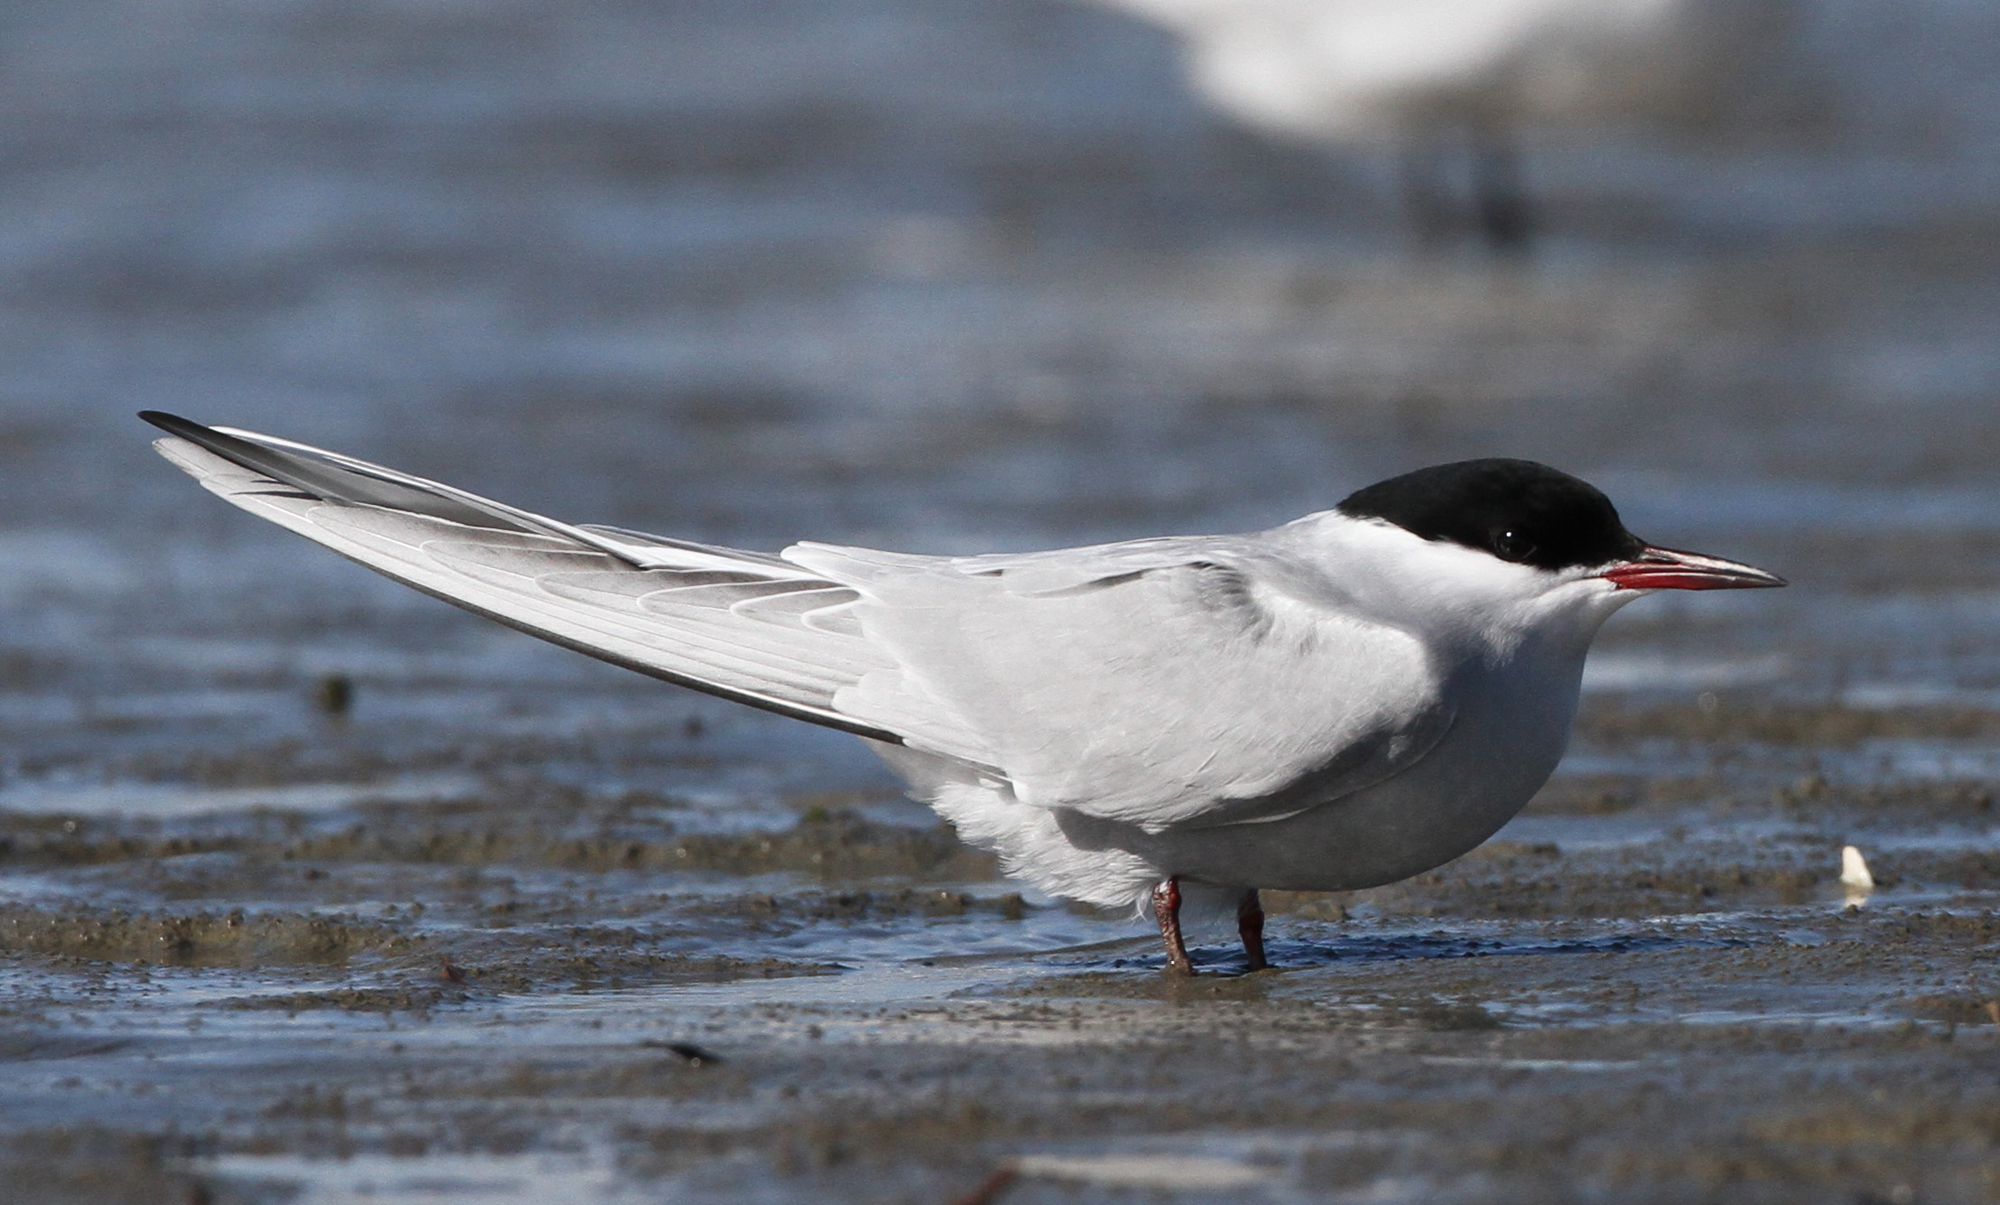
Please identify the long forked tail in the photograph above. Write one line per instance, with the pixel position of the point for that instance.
(753, 628)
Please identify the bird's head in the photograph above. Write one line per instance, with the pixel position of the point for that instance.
(1517, 537)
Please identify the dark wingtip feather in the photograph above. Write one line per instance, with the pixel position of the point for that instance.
(242, 451)
(184, 428)
(320, 478)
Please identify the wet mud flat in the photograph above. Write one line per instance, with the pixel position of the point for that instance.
(1652, 986)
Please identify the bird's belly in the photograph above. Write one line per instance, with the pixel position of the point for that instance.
(1477, 779)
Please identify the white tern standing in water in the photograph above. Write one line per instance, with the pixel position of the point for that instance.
(1347, 700)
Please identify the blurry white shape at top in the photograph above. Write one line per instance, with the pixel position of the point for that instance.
(1417, 72)
(1357, 69)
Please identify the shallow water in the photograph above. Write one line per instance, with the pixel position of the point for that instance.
(518, 926)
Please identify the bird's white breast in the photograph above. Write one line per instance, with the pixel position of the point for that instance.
(1510, 728)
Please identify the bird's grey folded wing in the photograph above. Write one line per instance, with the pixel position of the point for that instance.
(1065, 569)
(1165, 683)
(742, 625)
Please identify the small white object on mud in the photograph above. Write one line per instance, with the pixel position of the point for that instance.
(1854, 871)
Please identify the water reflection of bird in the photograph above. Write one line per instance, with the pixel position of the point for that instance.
(1344, 701)
(1455, 83)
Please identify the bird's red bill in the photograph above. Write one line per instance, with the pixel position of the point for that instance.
(1671, 569)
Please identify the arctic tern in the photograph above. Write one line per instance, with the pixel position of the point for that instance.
(1349, 699)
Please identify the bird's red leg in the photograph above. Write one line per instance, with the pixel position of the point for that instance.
(1250, 926)
(1167, 907)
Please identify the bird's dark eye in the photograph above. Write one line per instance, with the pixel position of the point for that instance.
(1512, 546)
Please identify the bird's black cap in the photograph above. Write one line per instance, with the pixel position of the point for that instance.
(1515, 509)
